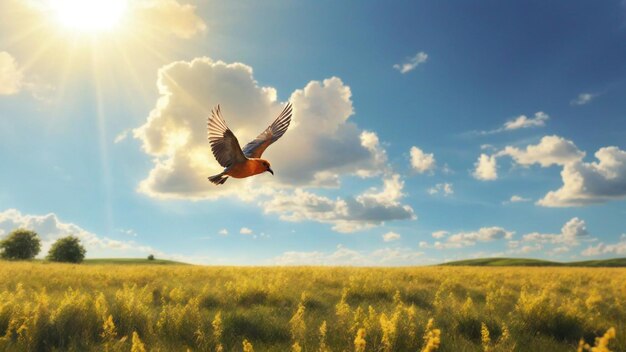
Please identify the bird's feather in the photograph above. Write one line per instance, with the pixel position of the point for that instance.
(256, 147)
(224, 144)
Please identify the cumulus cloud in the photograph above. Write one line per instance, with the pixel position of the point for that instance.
(371, 208)
(583, 98)
(320, 145)
(618, 248)
(411, 63)
(551, 150)
(587, 183)
(345, 256)
(245, 231)
(50, 228)
(391, 236)
(422, 162)
(169, 15)
(583, 182)
(486, 168)
(573, 230)
(11, 77)
(465, 239)
(443, 188)
(223, 232)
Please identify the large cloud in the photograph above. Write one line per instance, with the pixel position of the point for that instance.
(320, 145)
(583, 182)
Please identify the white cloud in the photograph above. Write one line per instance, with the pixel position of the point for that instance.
(440, 234)
(583, 98)
(50, 228)
(321, 144)
(571, 233)
(391, 236)
(121, 136)
(518, 199)
(522, 121)
(422, 162)
(349, 257)
(245, 231)
(583, 182)
(223, 232)
(486, 168)
(411, 63)
(11, 77)
(589, 183)
(366, 210)
(464, 239)
(618, 248)
(443, 188)
(551, 150)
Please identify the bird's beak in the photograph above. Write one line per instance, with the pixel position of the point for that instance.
(270, 171)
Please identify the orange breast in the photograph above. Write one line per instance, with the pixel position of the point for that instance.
(246, 169)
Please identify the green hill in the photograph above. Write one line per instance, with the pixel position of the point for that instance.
(131, 261)
(615, 262)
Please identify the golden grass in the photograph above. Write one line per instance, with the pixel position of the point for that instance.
(57, 307)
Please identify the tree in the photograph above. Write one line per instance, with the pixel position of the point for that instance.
(67, 249)
(20, 244)
(151, 257)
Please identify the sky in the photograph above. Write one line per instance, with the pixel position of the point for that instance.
(422, 132)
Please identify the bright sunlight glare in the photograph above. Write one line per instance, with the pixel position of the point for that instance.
(89, 15)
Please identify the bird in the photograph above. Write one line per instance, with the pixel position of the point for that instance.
(246, 162)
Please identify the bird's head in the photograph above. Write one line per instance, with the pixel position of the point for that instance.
(266, 165)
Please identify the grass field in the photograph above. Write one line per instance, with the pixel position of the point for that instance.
(113, 307)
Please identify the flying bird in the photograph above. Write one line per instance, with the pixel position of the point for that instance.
(240, 163)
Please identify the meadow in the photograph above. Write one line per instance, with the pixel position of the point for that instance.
(62, 307)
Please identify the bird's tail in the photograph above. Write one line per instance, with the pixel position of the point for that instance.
(218, 179)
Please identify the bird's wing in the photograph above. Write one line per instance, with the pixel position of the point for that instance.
(223, 142)
(271, 134)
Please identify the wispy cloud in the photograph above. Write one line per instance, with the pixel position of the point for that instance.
(445, 189)
(583, 98)
(411, 63)
(520, 122)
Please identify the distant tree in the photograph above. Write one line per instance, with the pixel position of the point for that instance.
(67, 249)
(20, 244)
(151, 257)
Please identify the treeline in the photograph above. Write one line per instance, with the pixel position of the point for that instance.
(22, 244)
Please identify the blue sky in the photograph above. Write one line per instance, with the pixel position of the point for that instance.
(423, 131)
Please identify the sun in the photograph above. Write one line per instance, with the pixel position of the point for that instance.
(89, 15)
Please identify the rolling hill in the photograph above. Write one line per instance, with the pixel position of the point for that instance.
(615, 262)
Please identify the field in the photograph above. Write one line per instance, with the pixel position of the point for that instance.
(116, 307)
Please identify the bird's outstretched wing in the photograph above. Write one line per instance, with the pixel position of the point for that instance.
(223, 142)
(271, 134)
